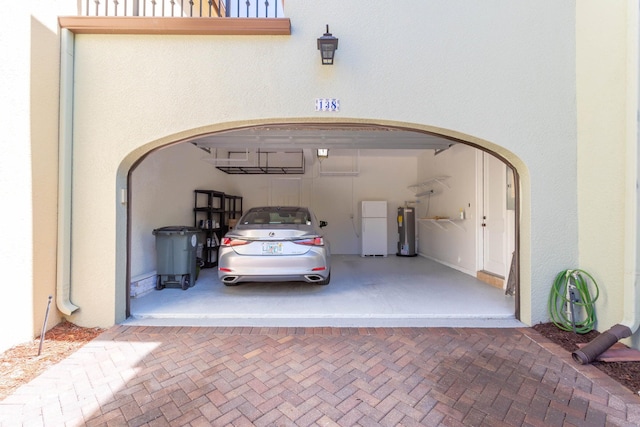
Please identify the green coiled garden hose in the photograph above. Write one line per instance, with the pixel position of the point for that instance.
(570, 297)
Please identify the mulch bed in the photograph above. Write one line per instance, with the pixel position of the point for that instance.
(21, 364)
(626, 373)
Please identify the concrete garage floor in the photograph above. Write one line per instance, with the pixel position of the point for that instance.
(368, 292)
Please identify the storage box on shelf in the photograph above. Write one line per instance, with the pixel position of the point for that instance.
(233, 211)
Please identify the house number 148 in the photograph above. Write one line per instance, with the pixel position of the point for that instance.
(327, 104)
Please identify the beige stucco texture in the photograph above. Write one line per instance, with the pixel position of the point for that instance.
(607, 99)
(503, 78)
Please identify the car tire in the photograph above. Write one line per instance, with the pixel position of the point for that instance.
(159, 285)
(325, 281)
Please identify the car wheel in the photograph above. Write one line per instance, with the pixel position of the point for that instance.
(325, 281)
(184, 282)
(159, 285)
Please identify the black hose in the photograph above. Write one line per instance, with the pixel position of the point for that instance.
(600, 344)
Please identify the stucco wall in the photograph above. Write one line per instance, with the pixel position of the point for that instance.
(607, 79)
(16, 261)
(28, 165)
(501, 76)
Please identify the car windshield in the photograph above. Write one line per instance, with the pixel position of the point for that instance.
(277, 216)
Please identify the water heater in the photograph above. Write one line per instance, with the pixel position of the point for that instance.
(406, 231)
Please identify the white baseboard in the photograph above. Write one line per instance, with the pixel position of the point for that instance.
(143, 284)
(455, 267)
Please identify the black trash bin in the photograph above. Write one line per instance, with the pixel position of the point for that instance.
(176, 249)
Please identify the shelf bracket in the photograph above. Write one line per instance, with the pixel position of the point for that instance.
(426, 188)
(438, 223)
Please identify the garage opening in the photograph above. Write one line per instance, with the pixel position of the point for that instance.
(461, 264)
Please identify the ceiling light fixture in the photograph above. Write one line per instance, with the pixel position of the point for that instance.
(327, 45)
(322, 153)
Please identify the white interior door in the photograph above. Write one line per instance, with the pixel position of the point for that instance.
(285, 192)
(494, 218)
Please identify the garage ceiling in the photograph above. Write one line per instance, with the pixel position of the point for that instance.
(323, 136)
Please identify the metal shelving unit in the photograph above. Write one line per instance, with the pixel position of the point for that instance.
(211, 213)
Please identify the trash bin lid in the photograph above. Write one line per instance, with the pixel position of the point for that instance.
(182, 229)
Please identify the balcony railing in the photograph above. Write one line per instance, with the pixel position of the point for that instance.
(185, 8)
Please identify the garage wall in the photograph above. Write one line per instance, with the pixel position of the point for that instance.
(335, 198)
(162, 194)
(453, 246)
(472, 73)
(379, 178)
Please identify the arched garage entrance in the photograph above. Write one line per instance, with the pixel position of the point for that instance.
(441, 175)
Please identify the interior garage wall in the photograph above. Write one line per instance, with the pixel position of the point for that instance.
(162, 195)
(163, 187)
(452, 246)
(335, 198)
(380, 178)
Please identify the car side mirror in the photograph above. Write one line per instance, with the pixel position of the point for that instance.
(323, 224)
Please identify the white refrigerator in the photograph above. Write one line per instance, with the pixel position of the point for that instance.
(373, 220)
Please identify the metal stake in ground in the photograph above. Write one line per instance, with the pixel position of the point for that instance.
(44, 325)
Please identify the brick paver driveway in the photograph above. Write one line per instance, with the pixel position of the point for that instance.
(321, 376)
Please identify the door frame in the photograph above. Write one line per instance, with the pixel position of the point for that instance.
(512, 223)
(129, 165)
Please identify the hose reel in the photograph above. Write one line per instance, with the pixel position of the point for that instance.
(571, 305)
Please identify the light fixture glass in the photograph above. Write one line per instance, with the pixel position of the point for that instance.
(322, 153)
(327, 45)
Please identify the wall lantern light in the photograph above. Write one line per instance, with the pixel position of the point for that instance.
(327, 45)
(322, 153)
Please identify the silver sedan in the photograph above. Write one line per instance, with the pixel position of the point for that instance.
(275, 244)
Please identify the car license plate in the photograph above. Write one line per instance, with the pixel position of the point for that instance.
(272, 248)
